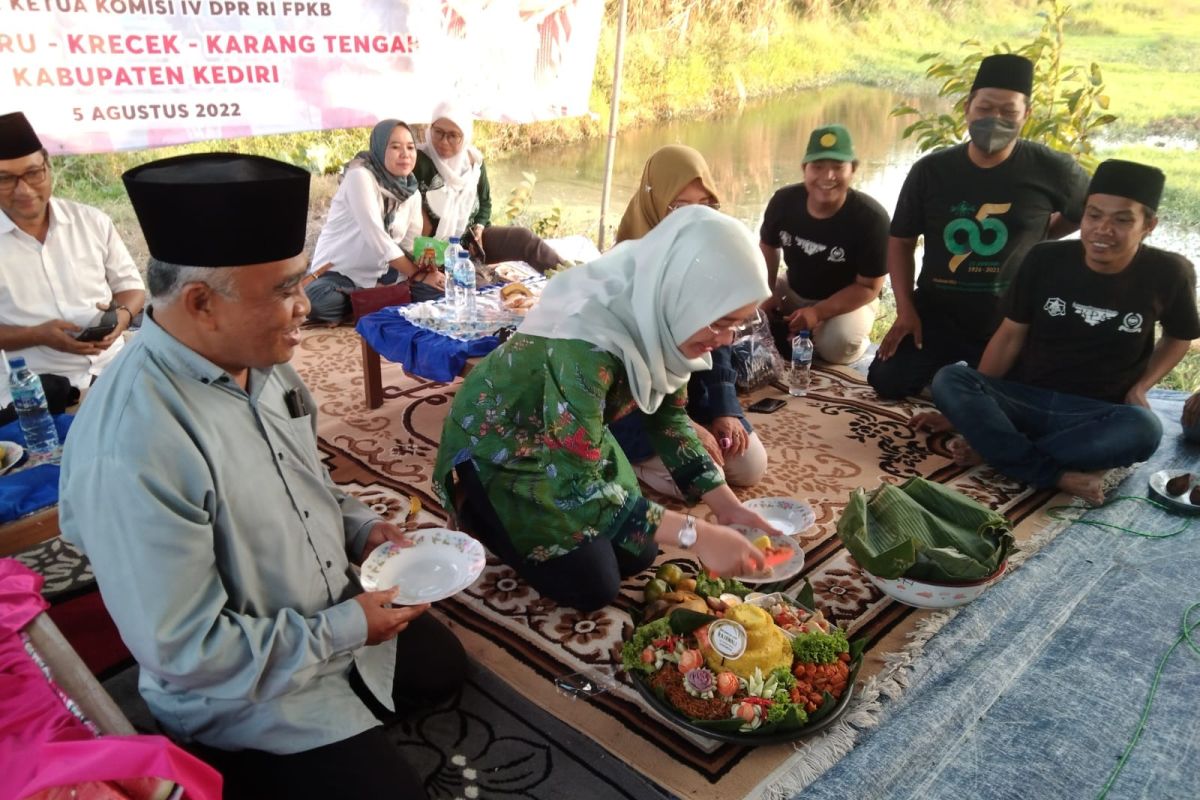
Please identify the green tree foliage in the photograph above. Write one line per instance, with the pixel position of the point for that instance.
(1068, 106)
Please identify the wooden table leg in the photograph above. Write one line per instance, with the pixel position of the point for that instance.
(372, 376)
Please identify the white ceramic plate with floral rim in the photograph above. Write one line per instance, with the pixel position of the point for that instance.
(789, 516)
(437, 564)
(785, 557)
(13, 453)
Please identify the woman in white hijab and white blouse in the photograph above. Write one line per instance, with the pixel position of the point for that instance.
(526, 458)
(456, 196)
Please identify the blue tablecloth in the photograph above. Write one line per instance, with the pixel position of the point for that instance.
(25, 491)
(423, 352)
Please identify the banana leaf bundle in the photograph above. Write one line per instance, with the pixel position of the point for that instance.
(925, 531)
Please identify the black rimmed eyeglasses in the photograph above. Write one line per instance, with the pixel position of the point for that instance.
(32, 177)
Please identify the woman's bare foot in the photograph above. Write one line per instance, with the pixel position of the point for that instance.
(964, 455)
(1087, 486)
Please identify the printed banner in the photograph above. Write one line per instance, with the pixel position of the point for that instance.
(103, 75)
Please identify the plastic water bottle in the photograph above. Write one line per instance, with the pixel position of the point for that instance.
(449, 262)
(41, 437)
(450, 257)
(464, 276)
(802, 355)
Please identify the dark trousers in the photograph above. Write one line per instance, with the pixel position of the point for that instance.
(910, 370)
(587, 578)
(329, 295)
(1035, 435)
(505, 243)
(430, 668)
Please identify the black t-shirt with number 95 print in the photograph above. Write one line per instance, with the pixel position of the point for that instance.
(979, 223)
(1092, 333)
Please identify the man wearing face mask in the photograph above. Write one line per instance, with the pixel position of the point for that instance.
(980, 206)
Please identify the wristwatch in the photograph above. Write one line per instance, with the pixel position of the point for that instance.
(116, 308)
(687, 532)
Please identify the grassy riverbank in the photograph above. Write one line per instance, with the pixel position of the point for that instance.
(704, 57)
(686, 58)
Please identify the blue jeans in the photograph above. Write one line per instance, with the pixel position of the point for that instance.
(1035, 435)
(328, 298)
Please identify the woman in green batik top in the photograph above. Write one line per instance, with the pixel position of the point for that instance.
(526, 458)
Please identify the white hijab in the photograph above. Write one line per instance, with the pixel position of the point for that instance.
(454, 202)
(645, 297)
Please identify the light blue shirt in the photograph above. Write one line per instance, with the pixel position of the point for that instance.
(222, 550)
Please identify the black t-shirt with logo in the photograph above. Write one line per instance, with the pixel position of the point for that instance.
(824, 256)
(1090, 333)
(979, 223)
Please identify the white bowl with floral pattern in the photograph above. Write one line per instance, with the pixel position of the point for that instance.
(927, 594)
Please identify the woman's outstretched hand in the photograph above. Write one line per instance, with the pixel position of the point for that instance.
(726, 552)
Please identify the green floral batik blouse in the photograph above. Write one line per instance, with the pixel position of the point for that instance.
(533, 416)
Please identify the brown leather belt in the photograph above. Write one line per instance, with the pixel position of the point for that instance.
(318, 272)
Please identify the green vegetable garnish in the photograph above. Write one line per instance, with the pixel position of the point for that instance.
(715, 587)
(820, 648)
(643, 637)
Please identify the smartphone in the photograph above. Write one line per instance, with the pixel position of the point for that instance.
(472, 245)
(95, 333)
(767, 405)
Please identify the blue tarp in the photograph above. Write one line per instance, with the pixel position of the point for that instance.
(28, 490)
(423, 352)
(1035, 689)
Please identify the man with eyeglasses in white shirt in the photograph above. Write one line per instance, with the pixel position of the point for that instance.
(68, 287)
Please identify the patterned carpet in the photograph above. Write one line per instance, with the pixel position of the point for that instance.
(511, 733)
(821, 447)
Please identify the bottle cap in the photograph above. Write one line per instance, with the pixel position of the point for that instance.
(16, 362)
(455, 240)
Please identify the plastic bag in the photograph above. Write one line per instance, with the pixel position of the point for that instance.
(756, 358)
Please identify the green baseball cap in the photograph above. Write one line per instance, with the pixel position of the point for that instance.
(830, 141)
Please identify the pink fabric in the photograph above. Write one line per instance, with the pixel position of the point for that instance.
(42, 744)
(20, 596)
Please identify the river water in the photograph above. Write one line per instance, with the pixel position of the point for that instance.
(752, 152)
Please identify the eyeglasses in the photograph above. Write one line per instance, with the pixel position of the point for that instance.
(442, 135)
(32, 177)
(678, 204)
(737, 329)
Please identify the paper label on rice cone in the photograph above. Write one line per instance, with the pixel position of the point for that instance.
(728, 638)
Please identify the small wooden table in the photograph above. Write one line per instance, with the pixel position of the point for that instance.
(373, 373)
(25, 532)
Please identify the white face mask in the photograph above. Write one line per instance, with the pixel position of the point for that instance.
(993, 134)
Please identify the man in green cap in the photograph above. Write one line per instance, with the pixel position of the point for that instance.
(980, 206)
(834, 243)
(1060, 393)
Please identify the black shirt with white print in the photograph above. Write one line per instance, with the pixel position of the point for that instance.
(824, 256)
(1091, 333)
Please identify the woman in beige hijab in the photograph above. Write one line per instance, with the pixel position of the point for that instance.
(676, 176)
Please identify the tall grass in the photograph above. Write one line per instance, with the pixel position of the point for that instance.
(697, 57)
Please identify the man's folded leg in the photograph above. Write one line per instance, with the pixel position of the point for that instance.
(1035, 435)
(365, 765)
(1091, 434)
(994, 416)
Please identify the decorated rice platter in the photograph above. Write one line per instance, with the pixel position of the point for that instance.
(757, 669)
